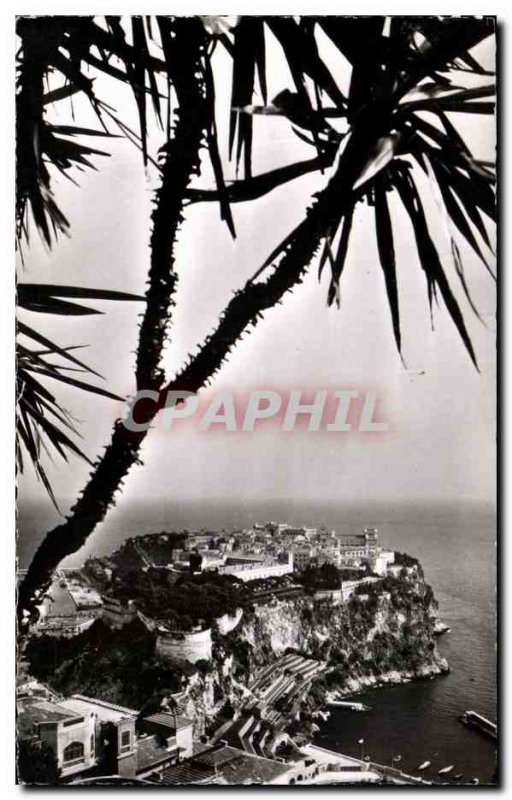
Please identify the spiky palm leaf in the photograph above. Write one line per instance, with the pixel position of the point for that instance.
(64, 49)
(38, 143)
(401, 68)
(42, 424)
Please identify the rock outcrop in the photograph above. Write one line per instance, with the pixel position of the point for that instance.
(384, 634)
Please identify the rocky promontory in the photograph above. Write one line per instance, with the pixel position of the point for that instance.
(383, 633)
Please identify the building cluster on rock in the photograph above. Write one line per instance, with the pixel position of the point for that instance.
(258, 555)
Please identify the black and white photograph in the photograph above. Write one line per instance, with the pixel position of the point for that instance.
(256, 400)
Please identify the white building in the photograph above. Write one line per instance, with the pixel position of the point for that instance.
(70, 734)
(252, 570)
(380, 562)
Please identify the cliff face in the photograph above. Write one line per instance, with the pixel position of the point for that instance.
(382, 635)
(386, 626)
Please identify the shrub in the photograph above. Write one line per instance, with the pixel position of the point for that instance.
(36, 763)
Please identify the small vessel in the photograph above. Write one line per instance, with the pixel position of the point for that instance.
(353, 706)
(424, 766)
(440, 628)
(473, 720)
(445, 770)
(458, 776)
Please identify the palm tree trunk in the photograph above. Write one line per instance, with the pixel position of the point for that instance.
(181, 163)
(242, 311)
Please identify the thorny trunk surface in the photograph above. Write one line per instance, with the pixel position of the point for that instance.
(181, 162)
(243, 310)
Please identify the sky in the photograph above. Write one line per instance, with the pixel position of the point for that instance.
(441, 411)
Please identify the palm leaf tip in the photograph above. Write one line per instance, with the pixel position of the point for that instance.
(213, 147)
(386, 251)
(338, 265)
(47, 298)
(429, 257)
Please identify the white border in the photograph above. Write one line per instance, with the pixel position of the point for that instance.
(359, 7)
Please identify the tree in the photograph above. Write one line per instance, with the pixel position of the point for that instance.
(402, 70)
(159, 701)
(36, 763)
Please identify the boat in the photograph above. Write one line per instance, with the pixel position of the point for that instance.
(473, 720)
(445, 770)
(440, 628)
(458, 776)
(424, 766)
(353, 706)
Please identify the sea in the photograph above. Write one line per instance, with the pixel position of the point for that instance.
(407, 724)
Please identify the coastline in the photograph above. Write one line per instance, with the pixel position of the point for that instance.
(362, 683)
(410, 720)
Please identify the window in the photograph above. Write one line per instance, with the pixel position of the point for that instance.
(73, 752)
(92, 744)
(125, 740)
(75, 721)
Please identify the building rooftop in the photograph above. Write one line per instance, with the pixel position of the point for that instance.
(226, 765)
(237, 767)
(187, 773)
(32, 711)
(218, 756)
(199, 747)
(150, 753)
(107, 712)
(168, 720)
(64, 623)
(84, 596)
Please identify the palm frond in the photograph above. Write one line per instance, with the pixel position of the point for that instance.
(137, 65)
(360, 41)
(386, 250)
(35, 404)
(42, 423)
(298, 42)
(427, 252)
(46, 298)
(299, 46)
(466, 187)
(248, 60)
(338, 264)
(213, 148)
(247, 189)
(64, 47)
(40, 144)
